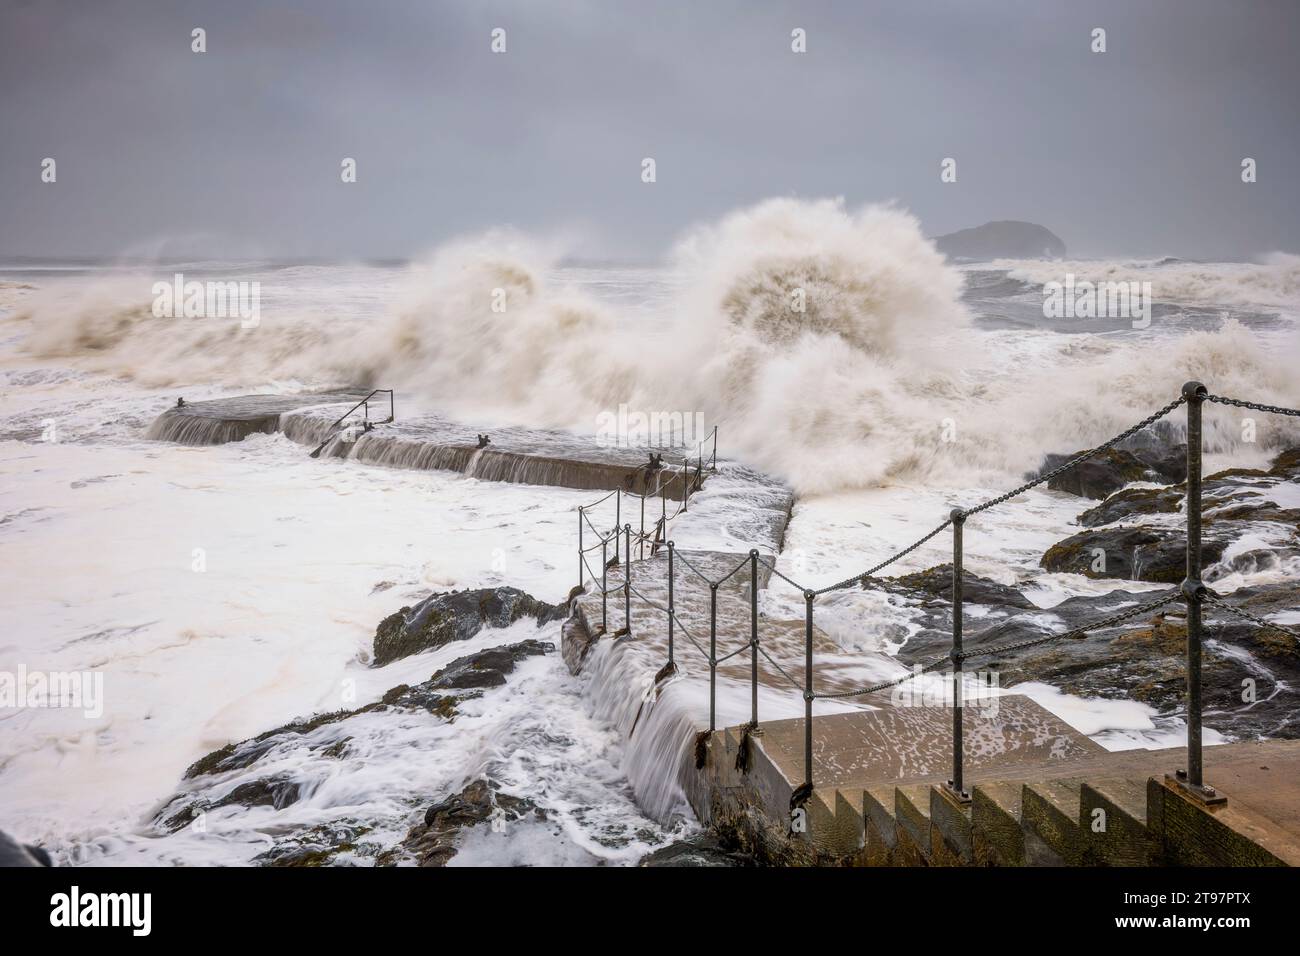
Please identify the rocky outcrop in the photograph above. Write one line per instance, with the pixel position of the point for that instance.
(1130, 554)
(1117, 544)
(463, 679)
(705, 849)
(1108, 471)
(433, 842)
(1144, 659)
(13, 853)
(936, 583)
(456, 616)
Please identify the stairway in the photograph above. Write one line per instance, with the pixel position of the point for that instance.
(1086, 819)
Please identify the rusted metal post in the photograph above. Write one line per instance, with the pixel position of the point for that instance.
(753, 637)
(1192, 779)
(713, 657)
(671, 609)
(808, 597)
(581, 558)
(627, 577)
(956, 784)
(604, 581)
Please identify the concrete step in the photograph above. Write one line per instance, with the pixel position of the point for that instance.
(1049, 814)
(850, 820)
(1113, 823)
(998, 838)
(951, 837)
(912, 813)
(880, 825)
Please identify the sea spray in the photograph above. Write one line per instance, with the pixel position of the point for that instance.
(831, 346)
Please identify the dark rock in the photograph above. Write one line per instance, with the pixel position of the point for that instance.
(456, 616)
(464, 678)
(274, 792)
(1110, 470)
(936, 582)
(13, 853)
(703, 849)
(236, 756)
(1133, 502)
(1144, 659)
(318, 846)
(433, 842)
(486, 668)
(1287, 465)
(1130, 553)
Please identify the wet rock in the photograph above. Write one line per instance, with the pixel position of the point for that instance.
(318, 846)
(936, 582)
(236, 756)
(456, 616)
(703, 850)
(277, 792)
(13, 853)
(464, 678)
(433, 842)
(1133, 502)
(1130, 553)
(1144, 659)
(1110, 470)
(486, 668)
(1286, 465)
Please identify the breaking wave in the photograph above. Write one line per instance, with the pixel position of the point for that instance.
(1273, 283)
(830, 345)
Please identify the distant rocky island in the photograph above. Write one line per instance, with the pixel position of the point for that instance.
(1006, 239)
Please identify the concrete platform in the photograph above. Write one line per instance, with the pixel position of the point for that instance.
(430, 443)
(914, 744)
(220, 421)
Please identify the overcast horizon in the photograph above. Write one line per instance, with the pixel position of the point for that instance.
(235, 152)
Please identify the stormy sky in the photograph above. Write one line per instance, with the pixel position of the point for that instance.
(236, 152)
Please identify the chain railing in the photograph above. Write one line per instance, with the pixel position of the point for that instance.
(654, 537)
(1192, 592)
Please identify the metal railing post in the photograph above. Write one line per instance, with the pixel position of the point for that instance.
(1192, 779)
(641, 542)
(627, 578)
(714, 464)
(753, 638)
(604, 581)
(808, 597)
(580, 551)
(686, 488)
(713, 657)
(956, 784)
(671, 608)
(618, 515)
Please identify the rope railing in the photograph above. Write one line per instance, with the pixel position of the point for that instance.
(1191, 592)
